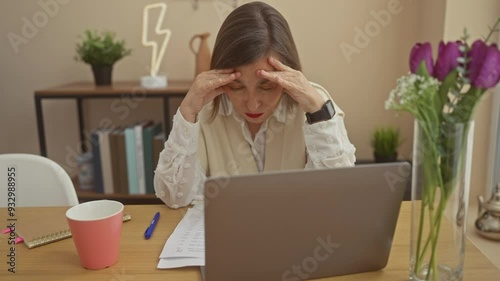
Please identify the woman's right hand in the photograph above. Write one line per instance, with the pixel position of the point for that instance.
(206, 86)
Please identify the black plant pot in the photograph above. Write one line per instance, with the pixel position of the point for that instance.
(102, 74)
(383, 158)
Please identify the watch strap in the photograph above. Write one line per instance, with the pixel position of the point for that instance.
(326, 112)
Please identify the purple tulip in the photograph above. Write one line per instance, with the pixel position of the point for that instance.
(421, 52)
(484, 67)
(447, 59)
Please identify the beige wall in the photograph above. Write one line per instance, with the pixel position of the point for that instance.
(477, 18)
(431, 20)
(360, 82)
(360, 85)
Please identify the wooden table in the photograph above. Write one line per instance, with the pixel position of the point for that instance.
(139, 257)
(88, 90)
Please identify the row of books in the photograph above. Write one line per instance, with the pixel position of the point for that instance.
(124, 158)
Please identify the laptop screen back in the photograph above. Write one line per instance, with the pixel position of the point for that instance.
(299, 225)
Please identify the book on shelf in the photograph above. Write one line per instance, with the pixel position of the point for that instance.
(105, 151)
(115, 152)
(122, 163)
(130, 146)
(139, 150)
(124, 158)
(149, 166)
(96, 161)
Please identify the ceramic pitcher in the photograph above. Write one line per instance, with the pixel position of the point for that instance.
(202, 55)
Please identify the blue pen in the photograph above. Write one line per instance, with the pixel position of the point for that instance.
(151, 227)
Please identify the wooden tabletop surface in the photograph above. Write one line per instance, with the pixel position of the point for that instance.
(139, 257)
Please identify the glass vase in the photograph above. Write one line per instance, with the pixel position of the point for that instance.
(442, 156)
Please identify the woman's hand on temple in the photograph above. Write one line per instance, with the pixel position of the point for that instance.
(206, 86)
(295, 84)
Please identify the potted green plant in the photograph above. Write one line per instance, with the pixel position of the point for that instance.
(101, 51)
(385, 143)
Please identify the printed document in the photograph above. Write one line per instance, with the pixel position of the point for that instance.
(186, 245)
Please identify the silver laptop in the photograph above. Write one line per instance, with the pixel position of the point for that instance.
(299, 225)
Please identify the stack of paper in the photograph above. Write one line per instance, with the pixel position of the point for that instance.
(186, 245)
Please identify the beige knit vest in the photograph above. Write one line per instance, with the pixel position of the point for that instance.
(223, 150)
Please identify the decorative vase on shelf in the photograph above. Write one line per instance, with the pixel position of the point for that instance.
(202, 55)
(441, 169)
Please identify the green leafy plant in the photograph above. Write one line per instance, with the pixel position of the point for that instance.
(385, 142)
(101, 49)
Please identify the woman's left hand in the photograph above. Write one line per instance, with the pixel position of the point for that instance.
(295, 84)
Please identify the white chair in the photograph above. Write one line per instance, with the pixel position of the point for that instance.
(38, 180)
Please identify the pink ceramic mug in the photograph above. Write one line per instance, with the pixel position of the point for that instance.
(96, 228)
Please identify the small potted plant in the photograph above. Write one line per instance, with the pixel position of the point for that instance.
(101, 51)
(385, 142)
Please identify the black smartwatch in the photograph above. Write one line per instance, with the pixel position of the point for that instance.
(325, 113)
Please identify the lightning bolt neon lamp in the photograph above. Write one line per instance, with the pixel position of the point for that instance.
(154, 80)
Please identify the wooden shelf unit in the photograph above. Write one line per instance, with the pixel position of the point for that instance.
(84, 196)
(80, 91)
(128, 199)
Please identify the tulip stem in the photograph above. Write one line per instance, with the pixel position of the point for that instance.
(492, 30)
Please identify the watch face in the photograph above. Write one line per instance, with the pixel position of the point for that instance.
(330, 108)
